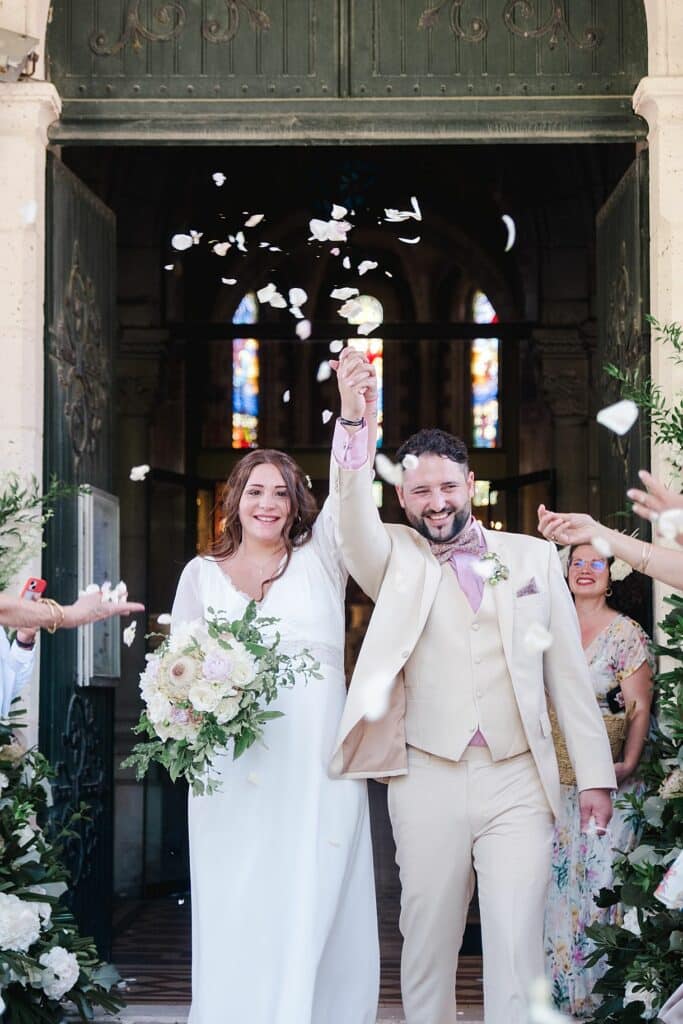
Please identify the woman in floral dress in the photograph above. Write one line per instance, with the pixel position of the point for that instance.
(620, 663)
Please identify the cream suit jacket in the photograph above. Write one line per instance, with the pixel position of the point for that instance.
(396, 569)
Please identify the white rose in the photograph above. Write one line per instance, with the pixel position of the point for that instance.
(180, 674)
(203, 696)
(244, 669)
(60, 974)
(158, 708)
(227, 709)
(19, 923)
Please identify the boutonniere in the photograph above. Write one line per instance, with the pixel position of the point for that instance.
(491, 569)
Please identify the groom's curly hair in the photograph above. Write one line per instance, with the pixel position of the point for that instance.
(432, 441)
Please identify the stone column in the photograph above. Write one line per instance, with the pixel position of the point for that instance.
(26, 111)
(659, 99)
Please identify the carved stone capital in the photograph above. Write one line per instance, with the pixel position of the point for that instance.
(565, 372)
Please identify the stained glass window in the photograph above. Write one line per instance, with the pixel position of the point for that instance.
(484, 365)
(245, 378)
(372, 312)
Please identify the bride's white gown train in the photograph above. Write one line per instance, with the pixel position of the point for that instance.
(284, 924)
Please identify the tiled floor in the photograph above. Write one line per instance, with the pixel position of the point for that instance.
(152, 952)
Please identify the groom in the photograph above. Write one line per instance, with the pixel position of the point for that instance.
(448, 703)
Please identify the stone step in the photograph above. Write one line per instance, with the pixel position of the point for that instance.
(150, 1014)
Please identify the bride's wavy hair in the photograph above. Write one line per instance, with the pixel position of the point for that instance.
(303, 510)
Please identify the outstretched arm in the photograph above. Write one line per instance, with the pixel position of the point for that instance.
(32, 615)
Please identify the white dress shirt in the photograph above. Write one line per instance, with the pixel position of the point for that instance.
(16, 666)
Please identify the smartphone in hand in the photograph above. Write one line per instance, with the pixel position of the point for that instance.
(33, 589)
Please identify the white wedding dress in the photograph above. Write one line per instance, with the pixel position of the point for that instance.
(284, 923)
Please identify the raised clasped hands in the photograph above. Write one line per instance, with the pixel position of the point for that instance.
(357, 382)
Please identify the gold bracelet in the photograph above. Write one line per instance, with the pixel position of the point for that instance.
(56, 610)
(645, 557)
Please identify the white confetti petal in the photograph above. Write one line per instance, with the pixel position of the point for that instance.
(350, 310)
(388, 273)
(296, 312)
(324, 372)
(670, 523)
(335, 251)
(196, 236)
(129, 634)
(219, 178)
(286, 395)
(366, 265)
(367, 328)
(343, 293)
(229, 280)
(537, 639)
(329, 230)
(410, 241)
(255, 219)
(327, 415)
(265, 294)
(388, 470)
(410, 461)
(274, 248)
(169, 266)
(337, 345)
(164, 619)
(297, 296)
(181, 242)
(417, 212)
(138, 473)
(303, 330)
(253, 779)
(239, 239)
(263, 245)
(346, 263)
(220, 248)
(602, 546)
(29, 211)
(620, 417)
(278, 301)
(338, 212)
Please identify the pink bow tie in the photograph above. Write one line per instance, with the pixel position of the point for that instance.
(468, 542)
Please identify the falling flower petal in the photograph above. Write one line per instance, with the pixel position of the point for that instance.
(164, 619)
(274, 248)
(620, 417)
(388, 273)
(255, 219)
(410, 241)
(266, 293)
(366, 265)
(351, 309)
(220, 248)
(388, 470)
(327, 415)
(329, 230)
(169, 266)
(239, 239)
(324, 372)
(602, 546)
(335, 251)
(537, 639)
(303, 330)
(297, 296)
(263, 245)
(138, 473)
(195, 236)
(338, 212)
(346, 263)
(29, 211)
(367, 328)
(337, 345)
(129, 634)
(219, 178)
(286, 395)
(670, 523)
(410, 461)
(229, 280)
(181, 242)
(278, 301)
(417, 212)
(397, 216)
(253, 779)
(296, 312)
(343, 293)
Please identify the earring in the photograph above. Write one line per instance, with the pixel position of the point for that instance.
(609, 592)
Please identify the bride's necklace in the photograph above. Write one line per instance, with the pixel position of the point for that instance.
(266, 568)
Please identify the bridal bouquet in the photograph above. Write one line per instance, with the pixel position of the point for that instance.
(208, 686)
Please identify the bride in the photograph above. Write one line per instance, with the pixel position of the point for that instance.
(284, 926)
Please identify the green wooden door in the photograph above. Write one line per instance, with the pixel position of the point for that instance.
(623, 335)
(76, 723)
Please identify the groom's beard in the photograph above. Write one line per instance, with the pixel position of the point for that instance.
(440, 533)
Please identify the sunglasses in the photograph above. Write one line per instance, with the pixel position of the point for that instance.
(597, 564)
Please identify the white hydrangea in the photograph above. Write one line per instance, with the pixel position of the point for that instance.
(19, 923)
(60, 973)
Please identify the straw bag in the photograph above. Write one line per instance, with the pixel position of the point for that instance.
(616, 727)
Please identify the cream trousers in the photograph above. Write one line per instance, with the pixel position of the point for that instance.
(450, 820)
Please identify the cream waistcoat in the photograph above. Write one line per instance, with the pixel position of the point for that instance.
(457, 679)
